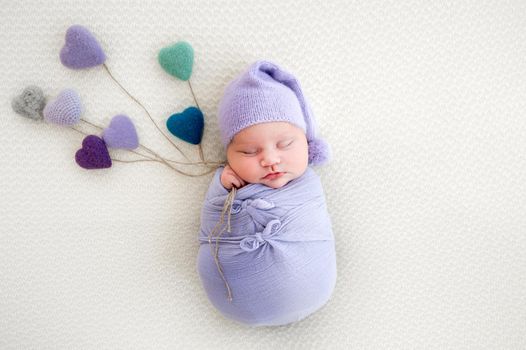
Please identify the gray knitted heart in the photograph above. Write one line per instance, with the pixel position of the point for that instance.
(30, 103)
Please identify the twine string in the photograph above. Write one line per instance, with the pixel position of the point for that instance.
(201, 155)
(161, 160)
(193, 94)
(144, 108)
(154, 154)
(101, 128)
(219, 229)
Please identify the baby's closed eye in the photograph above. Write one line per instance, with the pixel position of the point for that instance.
(281, 144)
(285, 144)
(249, 152)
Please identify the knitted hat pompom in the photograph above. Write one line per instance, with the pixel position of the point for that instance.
(319, 152)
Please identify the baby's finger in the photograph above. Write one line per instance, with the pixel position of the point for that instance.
(240, 181)
(237, 177)
(236, 182)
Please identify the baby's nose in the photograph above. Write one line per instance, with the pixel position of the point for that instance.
(269, 159)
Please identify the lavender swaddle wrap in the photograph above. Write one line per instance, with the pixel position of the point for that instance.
(279, 258)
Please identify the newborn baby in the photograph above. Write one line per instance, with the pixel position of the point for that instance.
(266, 254)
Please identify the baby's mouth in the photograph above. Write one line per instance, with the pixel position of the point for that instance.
(272, 176)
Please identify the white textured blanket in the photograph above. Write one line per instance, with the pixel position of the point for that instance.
(422, 102)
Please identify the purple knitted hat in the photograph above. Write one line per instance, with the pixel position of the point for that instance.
(267, 93)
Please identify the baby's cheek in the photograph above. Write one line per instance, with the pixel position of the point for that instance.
(250, 172)
(244, 168)
(301, 158)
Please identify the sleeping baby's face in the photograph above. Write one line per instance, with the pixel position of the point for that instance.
(269, 153)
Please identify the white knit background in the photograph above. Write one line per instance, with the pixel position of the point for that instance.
(423, 104)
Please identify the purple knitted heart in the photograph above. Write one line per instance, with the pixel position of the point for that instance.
(93, 154)
(81, 49)
(121, 133)
(65, 109)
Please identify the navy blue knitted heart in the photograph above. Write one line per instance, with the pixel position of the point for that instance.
(188, 125)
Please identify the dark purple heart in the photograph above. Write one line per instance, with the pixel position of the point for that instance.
(81, 49)
(93, 154)
(121, 133)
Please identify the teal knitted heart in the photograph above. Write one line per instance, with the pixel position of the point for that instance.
(188, 125)
(177, 60)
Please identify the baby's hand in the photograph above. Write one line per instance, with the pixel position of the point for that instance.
(230, 179)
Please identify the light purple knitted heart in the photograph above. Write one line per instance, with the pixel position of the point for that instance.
(65, 109)
(93, 154)
(81, 49)
(121, 133)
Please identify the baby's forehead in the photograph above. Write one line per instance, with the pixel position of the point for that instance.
(266, 131)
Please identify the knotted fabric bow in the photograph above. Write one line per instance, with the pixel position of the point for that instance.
(258, 209)
(253, 242)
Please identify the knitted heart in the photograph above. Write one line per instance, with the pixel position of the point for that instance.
(177, 60)
(65, 109)
(81, 49)
(121, 133)
(30, 103)
(188, 125)
(93, 154)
